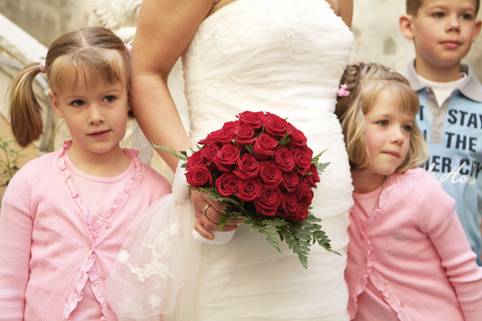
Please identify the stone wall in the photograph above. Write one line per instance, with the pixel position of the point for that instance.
(46, 19)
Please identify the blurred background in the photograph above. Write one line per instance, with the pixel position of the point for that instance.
(27, 27)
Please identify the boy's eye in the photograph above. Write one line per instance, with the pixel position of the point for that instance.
(468, 16)
(77, 103)
(438, 14)
(110, 98)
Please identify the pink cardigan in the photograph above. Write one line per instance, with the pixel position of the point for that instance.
(414, 251)
(48, 253)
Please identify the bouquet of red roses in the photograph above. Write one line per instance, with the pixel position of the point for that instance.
(262, 169)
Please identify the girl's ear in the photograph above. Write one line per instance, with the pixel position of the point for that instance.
(55, 104)
(406, 26)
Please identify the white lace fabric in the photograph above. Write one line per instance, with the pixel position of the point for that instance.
(149, 270)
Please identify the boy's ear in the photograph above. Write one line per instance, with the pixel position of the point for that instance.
(406, 26)
(477, 26)
(54, 102)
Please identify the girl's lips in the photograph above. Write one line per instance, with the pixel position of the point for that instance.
(99, 134)
(392, 154)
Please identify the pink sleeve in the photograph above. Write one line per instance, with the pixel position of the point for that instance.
(444, 229)
(159, 184)
(15, 238)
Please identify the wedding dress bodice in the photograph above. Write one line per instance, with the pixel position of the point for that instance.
(282, 56)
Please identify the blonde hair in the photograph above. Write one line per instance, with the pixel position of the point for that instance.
(365, 82)
(76, 58)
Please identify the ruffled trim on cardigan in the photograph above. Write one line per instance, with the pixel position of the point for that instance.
(94, 229)
(380, 210)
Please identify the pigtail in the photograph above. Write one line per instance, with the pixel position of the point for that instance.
(351, 80)
(25, 110)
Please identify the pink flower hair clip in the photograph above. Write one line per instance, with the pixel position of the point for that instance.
(128, 48)
(41, 66)
(343, 91)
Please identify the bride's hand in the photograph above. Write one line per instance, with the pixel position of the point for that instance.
(207, 213)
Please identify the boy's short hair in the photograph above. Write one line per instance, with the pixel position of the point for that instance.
(412, 6)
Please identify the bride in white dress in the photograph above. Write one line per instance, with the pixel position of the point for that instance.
(281, 56)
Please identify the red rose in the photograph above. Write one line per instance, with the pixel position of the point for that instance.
(297, 138)
(300, 215)
(264, 146)
(211, 138)
(291, 181)
(249, 189)
(305, 194)
(199, 176)
(314, 177)
(290, 204)
(195, 159)
(275, 125)
(253, 119)
(269, 201)
(244, 134)
(226, 134)
(209, 151)
(226, 157)
(227, 184)
(302, 158)
(284, 159)
(248, 167)
(270, 174)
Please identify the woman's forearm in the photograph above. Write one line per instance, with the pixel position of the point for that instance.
(157, 115)
(165, 29)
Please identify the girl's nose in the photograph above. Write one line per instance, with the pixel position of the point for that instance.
(397, 135)
(95, 115)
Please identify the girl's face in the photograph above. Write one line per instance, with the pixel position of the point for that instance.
(96, 116)
(387, 136)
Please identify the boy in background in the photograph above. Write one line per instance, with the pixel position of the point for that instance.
(450, 116)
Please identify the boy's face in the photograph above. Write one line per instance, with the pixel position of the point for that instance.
(442, 31)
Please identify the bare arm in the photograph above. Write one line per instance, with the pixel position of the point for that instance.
(164, 31)
(343, 8)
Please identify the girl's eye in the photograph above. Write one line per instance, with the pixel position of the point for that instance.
(77, 103)
(110, 98)
(408, 128)
(383, 123)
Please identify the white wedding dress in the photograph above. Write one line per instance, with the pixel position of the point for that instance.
(285, 57)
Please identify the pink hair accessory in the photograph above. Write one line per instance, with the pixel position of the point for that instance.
(128, 47)
(41, 66)
(343, 91)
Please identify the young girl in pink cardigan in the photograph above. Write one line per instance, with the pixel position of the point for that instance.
(408, 258)
(65, 215)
